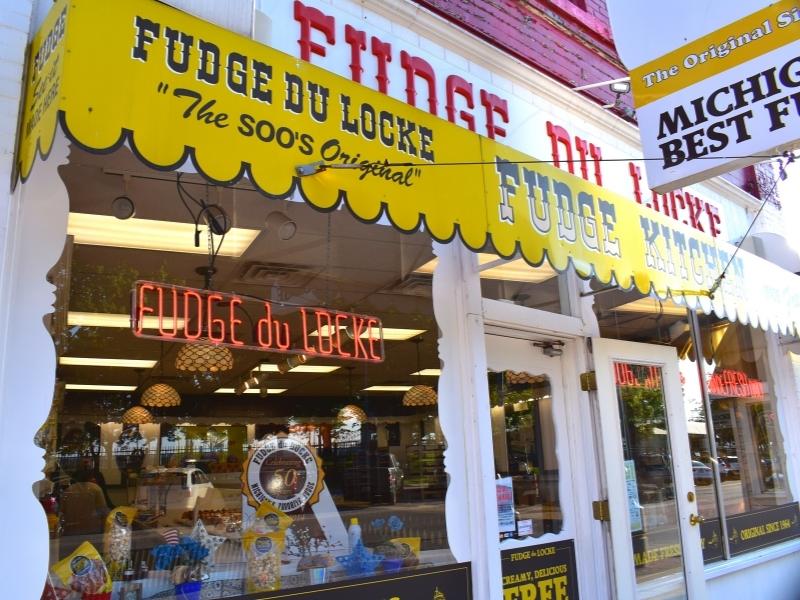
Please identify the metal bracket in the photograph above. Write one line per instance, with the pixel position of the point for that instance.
(589, 381)
(309, 169)
(600, 510)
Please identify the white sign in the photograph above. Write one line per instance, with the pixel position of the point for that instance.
(726, 99)
(634, 508)
(505, 505)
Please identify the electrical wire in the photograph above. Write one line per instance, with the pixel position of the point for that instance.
(477, 163)
(790, 158)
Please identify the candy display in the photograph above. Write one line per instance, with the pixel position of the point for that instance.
(263, 558)
(117, 539)
(83, 571)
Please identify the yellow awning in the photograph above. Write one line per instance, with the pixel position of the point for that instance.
(175, 87)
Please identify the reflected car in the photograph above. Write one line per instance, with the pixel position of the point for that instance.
(703, 475)
(729, 467)
(172, 490)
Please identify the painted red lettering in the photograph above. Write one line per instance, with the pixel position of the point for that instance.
(458, 85)
(382, 51)
(358, 43)
(494, 105)
(309, 18)
(418, 67)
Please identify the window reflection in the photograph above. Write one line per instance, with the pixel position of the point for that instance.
(524, 443)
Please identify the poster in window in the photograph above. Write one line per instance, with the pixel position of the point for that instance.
(634, 508)
(543, 571)
(505, 505)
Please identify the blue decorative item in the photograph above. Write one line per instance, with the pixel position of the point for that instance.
(378, 523)
(395, 523)
(360, 561)
(188, 551)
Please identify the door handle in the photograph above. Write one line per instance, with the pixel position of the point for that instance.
(696, 519)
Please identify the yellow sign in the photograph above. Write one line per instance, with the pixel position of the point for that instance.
(175, 87)
(758, 33)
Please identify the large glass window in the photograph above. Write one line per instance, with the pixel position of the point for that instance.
(757, 502)
(746, 457)
(185, 465)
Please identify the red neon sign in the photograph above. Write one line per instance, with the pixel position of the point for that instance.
(647, 376)
(730, 383)
(180, 314)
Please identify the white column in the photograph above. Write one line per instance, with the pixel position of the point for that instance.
(464, 414)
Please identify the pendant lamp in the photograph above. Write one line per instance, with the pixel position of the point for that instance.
(420, 395)
(204, 357)
(137, 415)
(161, 395)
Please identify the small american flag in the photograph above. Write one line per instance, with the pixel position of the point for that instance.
(171, 536)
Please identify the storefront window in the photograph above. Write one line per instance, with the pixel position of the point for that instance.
(526, 463)
(178, 465)
(757, 501)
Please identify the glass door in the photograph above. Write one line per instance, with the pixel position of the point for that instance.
(654, 525)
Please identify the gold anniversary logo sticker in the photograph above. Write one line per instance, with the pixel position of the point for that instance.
(284, 472)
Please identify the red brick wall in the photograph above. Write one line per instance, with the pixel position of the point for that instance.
(556, 37)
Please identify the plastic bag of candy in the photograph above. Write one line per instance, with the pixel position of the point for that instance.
(84, 572)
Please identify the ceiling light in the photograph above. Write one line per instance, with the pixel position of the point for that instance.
(149, 234)
(137, 415)
(97, 388)
(389, 333)
(89, 319)
(420, 395)
(281, 224)
(492, 266)
(351, 412)
(429, 372)
(251, 391)
(161, 395)
(388, 388)
(270, 368)
(653, 306)
(203, 357)
(77, 361)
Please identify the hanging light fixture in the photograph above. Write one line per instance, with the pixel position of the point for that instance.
(161, 395)
(420, 395)
(137, 415)
(204, 357)
(351, 412)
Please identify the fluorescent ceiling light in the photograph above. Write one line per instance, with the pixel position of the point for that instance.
(651, 306)
(95, 388)
(88, 319)
(270, 368)
(149, 234)
(387, 388)
(389, 333)
(429, 372)
(79, 361)
(250, 391)
(492, 266)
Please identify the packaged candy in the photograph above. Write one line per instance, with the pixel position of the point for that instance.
(270, 518)
(263, 558)
(117, 539)
(84, 571)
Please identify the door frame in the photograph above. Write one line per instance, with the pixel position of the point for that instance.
(606, 352)
(591, 542)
